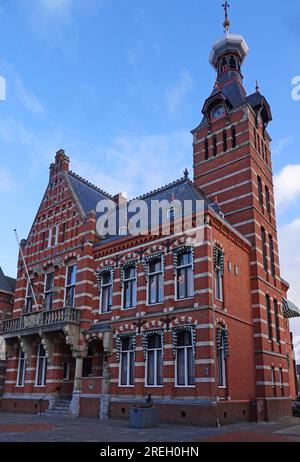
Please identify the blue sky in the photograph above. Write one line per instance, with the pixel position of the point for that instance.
(120, 84)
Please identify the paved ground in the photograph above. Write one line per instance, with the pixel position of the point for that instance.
(29, 428)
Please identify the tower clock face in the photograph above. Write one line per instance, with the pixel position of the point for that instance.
(218, 112)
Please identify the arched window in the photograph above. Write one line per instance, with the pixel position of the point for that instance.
(264, 248)
(127, 362)
(215, 146)
(272, 256)
(206, 147)
(222, 351)
(232, 62)
(260, 192)
(233, 135)
(277, 322)
(106, 292)
(21, 369)
(130, 287)
(41, 367)
(154, 361)
(268, 202)
(225, 145)
(269, 316)
(185, 275)
(185, 364)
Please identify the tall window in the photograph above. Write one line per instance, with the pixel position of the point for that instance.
(185, 276)
(56, 234)
(21, 369)
(50, 235)
(277, 322)
(48, 294)
(269, 316)
(272, 256)
(281, 381)
(156, 283)
(222, 357)
(185, 364)
(71, 286)
(29, 298)
(273, 377)
(233, 135)
(215, 146)
(127, 362)
(225, 145)
(264, 248)
(154, 361)
(41, 367)
(219, 284)
(206, 147)
(107, 292)
(260, 192)
(130, 289)
(268, 202)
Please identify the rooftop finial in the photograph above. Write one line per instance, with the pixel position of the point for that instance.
(257, 87)
(226, 22)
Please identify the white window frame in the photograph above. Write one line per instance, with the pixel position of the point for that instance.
(68, 286)
(56, 239)
(128, 354)
(49, 291)
(156, 273)
(156, 350)
(133, 280)
(186, 371)
(44, 371)
(219, 277)
(189, 265)
(111, 285)
(21, 360)
(50, 235)
(222, 363)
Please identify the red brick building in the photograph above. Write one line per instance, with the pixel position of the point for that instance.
(7, 290)
(200, 324)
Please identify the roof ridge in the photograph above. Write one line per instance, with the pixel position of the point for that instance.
(162, 189)
(89, 184)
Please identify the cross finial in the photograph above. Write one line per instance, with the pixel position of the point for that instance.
(226, 24)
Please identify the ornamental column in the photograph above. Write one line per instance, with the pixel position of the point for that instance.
(75, 403)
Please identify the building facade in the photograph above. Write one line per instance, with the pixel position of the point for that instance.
(201, 324)
(7, 290)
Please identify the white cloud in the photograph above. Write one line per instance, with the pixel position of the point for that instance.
(140, 164)
(287, 185)
(290, 270)
(27, 98)
(179, 91)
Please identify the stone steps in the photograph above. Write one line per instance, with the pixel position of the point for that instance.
(60, 409)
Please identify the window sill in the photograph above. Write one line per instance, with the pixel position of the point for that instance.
(155, 304)
(185, 386)
(126, 386)
(184, 299)
(154, 386)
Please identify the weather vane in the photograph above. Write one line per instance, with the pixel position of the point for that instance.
(226, 24)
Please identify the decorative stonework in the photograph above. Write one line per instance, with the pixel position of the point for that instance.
(183, 328)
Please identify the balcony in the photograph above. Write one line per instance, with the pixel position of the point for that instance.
(45, 321)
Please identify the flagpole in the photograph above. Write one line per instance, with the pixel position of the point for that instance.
(26, 269)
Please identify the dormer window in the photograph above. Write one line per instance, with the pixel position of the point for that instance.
(218, 112)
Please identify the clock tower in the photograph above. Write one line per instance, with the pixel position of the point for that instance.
(233, 166)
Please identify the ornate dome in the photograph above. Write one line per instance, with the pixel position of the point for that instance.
(229, 43)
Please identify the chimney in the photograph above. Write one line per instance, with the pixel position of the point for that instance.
(120, 199)
(62, 162)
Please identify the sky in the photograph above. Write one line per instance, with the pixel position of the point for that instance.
(120, 84)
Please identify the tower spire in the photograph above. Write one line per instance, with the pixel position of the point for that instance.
(226, 23)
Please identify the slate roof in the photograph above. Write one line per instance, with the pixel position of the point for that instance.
(180, 190)
(88, 194)
(236, 97)
(7, 284)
